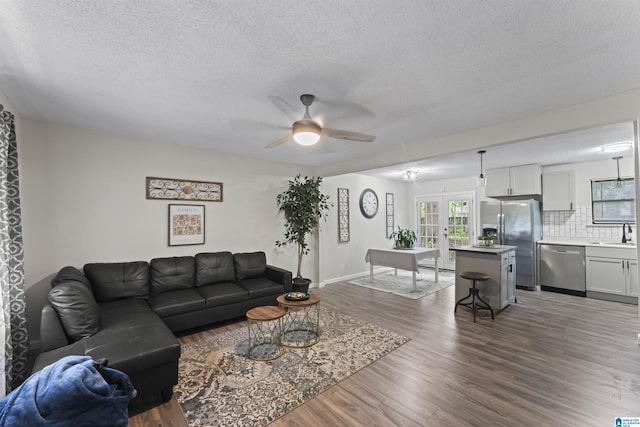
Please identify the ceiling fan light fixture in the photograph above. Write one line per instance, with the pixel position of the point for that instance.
(616, 147)
(409, 175)
(306, 132)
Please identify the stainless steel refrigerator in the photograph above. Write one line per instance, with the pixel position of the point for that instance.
(516, 223)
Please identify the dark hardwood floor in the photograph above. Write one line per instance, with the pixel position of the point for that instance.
(549, 360)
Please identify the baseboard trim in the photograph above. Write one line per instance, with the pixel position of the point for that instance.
(353, 276)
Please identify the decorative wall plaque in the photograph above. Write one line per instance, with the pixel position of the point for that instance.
(390, 215)
(343, 215)
(180, 189)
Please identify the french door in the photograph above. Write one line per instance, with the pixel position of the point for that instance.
(445, 222)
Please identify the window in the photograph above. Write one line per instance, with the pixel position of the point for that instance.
(613, 203)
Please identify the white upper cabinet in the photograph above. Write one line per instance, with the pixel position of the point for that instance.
(525, 180)
(558, 191)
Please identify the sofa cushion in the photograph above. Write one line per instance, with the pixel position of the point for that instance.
(250, 265)
(261, 287)
(70, 274)
(115, 280)
(222, 294)
(176, 302)
(214, 267)
(78, 311)
(120, 307)
(134, 342)
(170, 274)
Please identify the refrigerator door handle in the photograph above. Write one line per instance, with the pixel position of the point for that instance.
(501, 229)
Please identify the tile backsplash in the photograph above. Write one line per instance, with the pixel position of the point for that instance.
(577, 225)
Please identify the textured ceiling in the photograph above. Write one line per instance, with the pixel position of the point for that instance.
(223, 74)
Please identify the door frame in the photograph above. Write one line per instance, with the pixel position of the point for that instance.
(443, 199)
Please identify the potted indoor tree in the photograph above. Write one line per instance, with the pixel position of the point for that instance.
(303, 205)
(404, 238)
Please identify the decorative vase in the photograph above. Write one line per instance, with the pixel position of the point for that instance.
(300, 284)
(488, 242)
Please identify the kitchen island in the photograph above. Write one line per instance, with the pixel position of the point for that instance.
(499, 263)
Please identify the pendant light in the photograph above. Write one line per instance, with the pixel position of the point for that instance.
(619, 180)
(481, 180)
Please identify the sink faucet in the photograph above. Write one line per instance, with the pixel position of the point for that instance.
(626, 239)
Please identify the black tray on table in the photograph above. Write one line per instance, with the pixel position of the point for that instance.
(296, 296)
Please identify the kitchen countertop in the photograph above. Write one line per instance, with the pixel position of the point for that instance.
(586, 242)
(496, 249)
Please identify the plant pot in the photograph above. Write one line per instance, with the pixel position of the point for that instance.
(488, 242)
(400, 244)
(300, 284)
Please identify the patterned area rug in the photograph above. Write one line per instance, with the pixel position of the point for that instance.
(402, 285)
(219, 386)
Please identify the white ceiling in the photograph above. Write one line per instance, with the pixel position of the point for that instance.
(571, 147)
(217, 74)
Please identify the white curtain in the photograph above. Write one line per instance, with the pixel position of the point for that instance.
(13, 322)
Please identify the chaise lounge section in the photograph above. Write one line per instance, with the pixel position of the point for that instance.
(128, 312)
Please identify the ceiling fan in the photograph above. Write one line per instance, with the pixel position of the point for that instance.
(307, 132)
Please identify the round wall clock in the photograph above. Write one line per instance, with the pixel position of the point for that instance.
(368, 203)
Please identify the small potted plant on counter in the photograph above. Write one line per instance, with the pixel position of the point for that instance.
(487, 239)
(404, 238)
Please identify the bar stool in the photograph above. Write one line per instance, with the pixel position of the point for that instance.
(473, 294)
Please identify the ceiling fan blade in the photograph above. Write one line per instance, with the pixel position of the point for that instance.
(240, 124)
(347, 110)
(285, 107)
(279, 141)
(345, 134)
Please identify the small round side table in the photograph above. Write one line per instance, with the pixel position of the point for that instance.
(265, 330)
(301, 325)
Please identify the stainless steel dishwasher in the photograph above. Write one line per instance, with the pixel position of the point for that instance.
(562, 269)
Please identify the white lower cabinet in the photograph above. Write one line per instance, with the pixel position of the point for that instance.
(606, 275)
(612, 271)
(632, 267)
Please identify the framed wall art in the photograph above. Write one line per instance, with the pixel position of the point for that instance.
(343, 215)
(390, 215)
(186, 225)
(181, 189)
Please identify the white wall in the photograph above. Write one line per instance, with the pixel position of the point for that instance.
(8, 105)
(84, 200)
(341, 261)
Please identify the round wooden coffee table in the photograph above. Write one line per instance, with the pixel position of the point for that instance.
(265, 330)
(301, 324)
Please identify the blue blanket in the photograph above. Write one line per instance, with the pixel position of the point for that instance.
(74, 391)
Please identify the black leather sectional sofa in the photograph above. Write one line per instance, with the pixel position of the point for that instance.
(128, 312)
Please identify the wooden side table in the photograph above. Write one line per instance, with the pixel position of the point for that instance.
(265, 330)
(301, 325)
